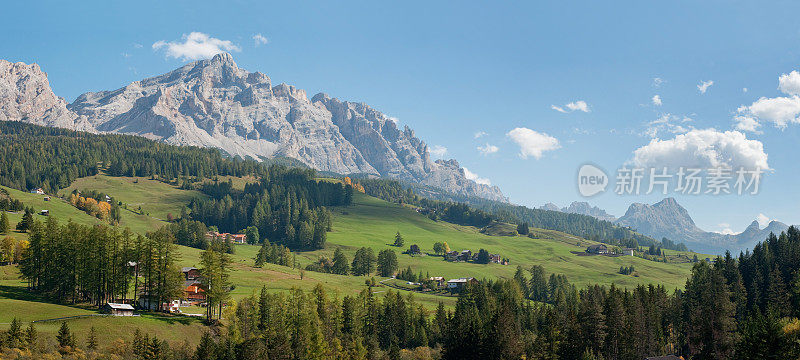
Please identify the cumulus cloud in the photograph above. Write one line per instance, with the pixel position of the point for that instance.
(704, 85)
(579, 105)
(656, 100)
(260, 39)
(747, 123)
(474, 177)
(703, 149)
(480, 134)
(781, 110)
(488, 149)
(195, 46)
(438, 151)
(790, 83)
(763, 220)
(532, 143)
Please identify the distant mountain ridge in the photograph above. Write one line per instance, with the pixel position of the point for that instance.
(581, 208)
(669, 219)
(214, 103)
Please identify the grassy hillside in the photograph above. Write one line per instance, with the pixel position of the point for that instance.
(154, 197)
(63, 211)
(368, 222)
(372, 222)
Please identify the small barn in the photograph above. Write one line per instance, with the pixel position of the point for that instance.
(117, 309)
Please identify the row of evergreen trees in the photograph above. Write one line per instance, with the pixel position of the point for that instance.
(287, 206)
(98, 264)
(33, 156)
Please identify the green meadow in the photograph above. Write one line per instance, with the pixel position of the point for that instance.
(367, 222)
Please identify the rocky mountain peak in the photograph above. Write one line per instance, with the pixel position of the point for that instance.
(224, 59)
(25, 95)
(584, 208)
(754, 226)
(214, 103)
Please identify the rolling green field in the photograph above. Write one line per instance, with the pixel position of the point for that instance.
(63, 211)
(373, 223)
(154, 197)
(368, 222)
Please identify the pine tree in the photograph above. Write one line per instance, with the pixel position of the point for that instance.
(387, 262)
(398, 240)
(91, 340)
(26, 222)
(15, 336)
(4, 226)
(64, 336)
(31, 336)
(709, 314)
(538, 284)
(205, 349)
(340, 263)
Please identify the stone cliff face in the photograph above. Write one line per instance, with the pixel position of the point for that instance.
(25, 95)
(214, 103)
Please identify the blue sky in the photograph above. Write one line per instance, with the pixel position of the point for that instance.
(451, 70)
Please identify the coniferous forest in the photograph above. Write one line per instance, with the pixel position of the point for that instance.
(731, 308)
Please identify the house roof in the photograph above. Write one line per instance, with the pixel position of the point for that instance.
(188, 283)
(117, 306)
(187, 269)
(598, 246)
(460, 280)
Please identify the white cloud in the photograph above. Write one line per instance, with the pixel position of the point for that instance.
(195, 46)
(138, 46)
(790, 83)
(579, 105)
(779, 110)
(703, 149)
(438, 151)
(480, 134)
(744, 89)
(393, 119)
(126, 55)
(657, 81)
(260, 39)
(667, 123)
(474, 177)
(532, 143)
(763, 220)
(488, 149)
(725, 229)
(747, 123)
(704, 85)
(656, 100)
